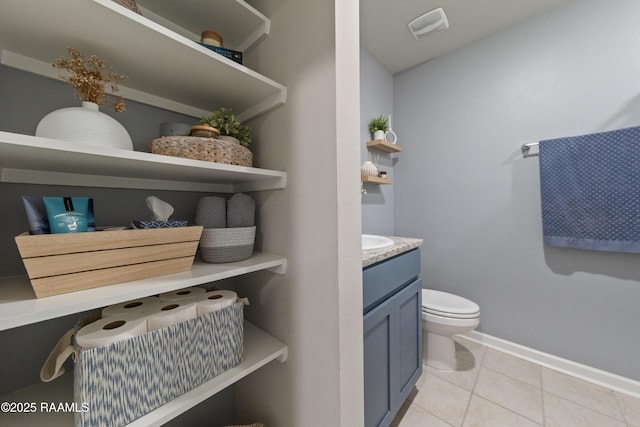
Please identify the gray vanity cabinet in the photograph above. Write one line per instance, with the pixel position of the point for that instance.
(392, 335)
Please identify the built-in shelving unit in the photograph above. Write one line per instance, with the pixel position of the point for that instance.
(241, 26)
(35, 160)
(19, 306)
(164, 68)
(260, 348)
(385, 146)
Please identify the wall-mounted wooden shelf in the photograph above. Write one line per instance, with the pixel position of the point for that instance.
(385, 146)
(376, 180)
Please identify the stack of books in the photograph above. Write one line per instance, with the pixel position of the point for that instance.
(234, 55)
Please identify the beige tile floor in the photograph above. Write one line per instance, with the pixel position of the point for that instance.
(495, 389)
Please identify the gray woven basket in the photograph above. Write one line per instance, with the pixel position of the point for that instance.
(219, 245)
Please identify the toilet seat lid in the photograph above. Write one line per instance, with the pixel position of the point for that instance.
(445, 304)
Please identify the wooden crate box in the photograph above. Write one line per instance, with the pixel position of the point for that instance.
(61, 263)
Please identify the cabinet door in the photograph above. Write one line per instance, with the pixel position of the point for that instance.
(392, 354)
(408, 327)
(379, 358)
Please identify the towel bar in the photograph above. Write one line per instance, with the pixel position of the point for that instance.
(526, 149)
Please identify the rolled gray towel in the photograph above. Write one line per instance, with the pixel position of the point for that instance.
(212, 212)
(241, 211)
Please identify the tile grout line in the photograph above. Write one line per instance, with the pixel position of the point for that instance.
(624, 417)
(440, 418)
(424, 372)
(423, 408)
(542, 387)
(543, 391)
(475, 382)
(577, 370)
(482, 366)
(513, 411)
(564, 399)
(515, 379)
(582, 405)
(483, 356)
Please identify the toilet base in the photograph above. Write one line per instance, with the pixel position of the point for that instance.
(439, 352)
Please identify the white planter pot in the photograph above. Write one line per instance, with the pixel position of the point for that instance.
(378, 135)
(84, 125)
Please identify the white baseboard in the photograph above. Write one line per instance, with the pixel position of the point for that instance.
(584, 372)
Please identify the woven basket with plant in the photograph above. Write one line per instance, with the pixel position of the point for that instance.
(225, 121)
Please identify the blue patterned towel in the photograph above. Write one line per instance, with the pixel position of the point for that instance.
(590, 191)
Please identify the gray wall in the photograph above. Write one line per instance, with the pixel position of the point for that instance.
(464, 187)
(376, 98)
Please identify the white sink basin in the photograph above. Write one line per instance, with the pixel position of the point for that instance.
(370, 241)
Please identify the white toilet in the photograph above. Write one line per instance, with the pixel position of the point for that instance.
(443, 316)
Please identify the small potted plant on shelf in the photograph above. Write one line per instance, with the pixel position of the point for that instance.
(378, 126)
(230, 129)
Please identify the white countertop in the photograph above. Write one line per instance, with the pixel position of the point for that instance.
(400, 245)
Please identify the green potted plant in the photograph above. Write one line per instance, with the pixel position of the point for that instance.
(225, 121)
(378, 126)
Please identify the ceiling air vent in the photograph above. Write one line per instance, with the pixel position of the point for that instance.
(429, 23)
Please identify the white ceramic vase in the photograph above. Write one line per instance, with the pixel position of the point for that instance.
(84, 125)
(368, 169)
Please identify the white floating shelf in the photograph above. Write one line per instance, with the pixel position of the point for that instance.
(164, 68)
(19, 306)
(260, 348)
(34, 160)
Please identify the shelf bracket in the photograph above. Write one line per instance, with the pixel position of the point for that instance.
(280, 269)
(266, 105)
(284, 355)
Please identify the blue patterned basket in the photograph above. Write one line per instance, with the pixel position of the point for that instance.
(127, 379)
